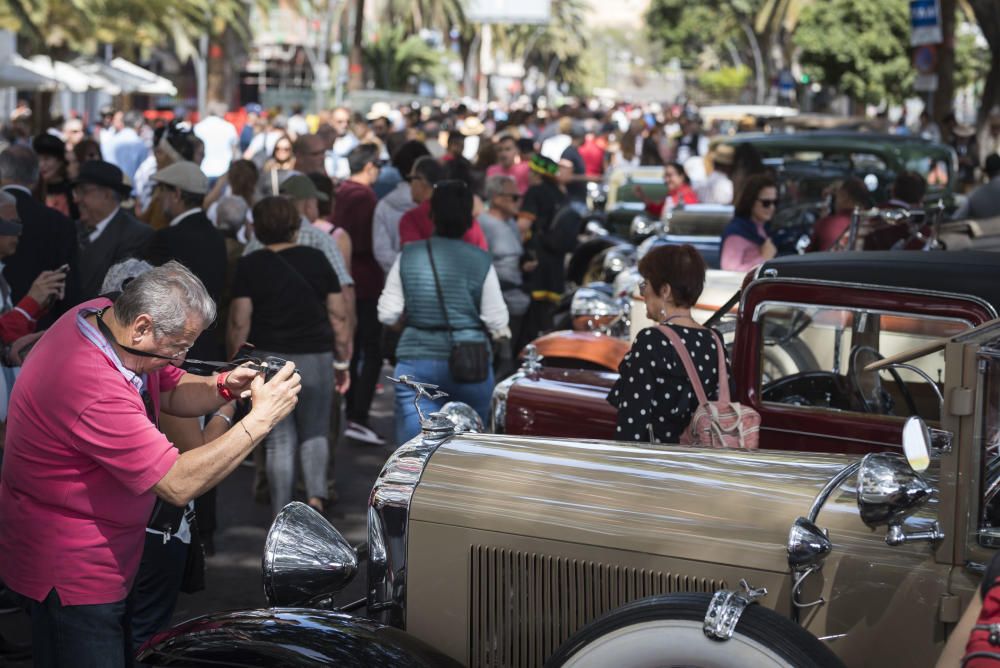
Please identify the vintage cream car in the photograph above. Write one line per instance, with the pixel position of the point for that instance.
(498, 550)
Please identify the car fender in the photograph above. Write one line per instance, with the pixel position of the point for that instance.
(289, 637)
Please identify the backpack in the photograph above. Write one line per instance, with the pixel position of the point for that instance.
(983, 648)
(716, 424)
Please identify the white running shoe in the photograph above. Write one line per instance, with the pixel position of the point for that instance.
(360, 432)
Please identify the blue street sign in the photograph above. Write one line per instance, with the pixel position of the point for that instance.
(925, 22)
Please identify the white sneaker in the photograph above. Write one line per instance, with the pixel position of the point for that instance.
(360, 432)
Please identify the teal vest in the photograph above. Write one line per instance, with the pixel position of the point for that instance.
(462, 270)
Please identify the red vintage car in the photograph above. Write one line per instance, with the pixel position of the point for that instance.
(807, 328)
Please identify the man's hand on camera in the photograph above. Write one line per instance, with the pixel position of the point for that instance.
(239, 379)
(276, 398)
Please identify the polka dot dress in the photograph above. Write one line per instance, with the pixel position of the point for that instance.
(653, 391)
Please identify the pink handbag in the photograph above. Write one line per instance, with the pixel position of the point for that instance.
(716, 424)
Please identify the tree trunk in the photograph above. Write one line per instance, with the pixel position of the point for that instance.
(945, 93)
(217, 59)
(356, 69)
(988, 16)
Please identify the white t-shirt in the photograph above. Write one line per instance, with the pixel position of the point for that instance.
(221, 141)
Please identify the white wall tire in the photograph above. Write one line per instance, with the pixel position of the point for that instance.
(666, 631)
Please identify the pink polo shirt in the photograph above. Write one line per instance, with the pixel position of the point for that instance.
(518, 171)
(81, 458)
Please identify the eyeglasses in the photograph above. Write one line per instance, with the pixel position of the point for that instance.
(642, 286)
(768, 203)
(106, 331)
(514, 196)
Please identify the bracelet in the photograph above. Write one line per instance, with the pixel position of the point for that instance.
(225, 417)
(341, 366)
(249, 435)
(220, 385)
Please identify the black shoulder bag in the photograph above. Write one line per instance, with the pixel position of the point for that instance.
(469, 361)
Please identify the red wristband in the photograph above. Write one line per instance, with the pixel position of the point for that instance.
(220, 385)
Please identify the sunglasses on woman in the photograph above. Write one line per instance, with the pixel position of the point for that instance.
(768, 203)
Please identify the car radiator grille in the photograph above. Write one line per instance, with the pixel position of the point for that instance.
(523, 606)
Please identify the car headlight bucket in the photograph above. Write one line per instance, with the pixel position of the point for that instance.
(305, 558)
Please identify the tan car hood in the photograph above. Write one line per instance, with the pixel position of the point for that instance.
(723, 506)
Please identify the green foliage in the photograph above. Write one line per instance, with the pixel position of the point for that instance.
(397, 60)
(726, 82)
(860, 47)
(689, 30)
(972, 62)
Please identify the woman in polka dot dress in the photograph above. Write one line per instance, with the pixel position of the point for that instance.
(654, 397)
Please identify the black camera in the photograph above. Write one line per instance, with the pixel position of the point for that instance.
(272, 365)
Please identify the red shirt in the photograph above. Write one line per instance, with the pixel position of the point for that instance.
(682, 195)
(20, 320)
(518, 171)
(353, 210)
(416, 225)
(80, 462)
(593, 158)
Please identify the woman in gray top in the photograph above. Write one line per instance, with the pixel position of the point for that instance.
(499, 223)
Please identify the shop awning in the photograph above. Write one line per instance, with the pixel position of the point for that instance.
(21, 73)
(129, 77)
(73, 79)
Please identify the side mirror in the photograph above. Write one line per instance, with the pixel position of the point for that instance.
(305, 558)
(889, 490)
(917, 444)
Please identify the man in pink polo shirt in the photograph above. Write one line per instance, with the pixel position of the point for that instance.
(509, 163)
(84, 460)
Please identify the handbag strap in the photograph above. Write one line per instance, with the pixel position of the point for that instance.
(685, 357)
(437, 288)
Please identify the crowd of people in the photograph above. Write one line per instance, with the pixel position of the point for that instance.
(433, 239)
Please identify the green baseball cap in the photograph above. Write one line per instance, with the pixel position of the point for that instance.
(300, 187)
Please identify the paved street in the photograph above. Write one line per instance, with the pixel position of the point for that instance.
(234, 575)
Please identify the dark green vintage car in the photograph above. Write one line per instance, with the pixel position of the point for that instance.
(806, 163)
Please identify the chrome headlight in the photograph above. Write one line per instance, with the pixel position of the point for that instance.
(649, 244)
(463, 416)
(617, 259)
(641, 228)
(498, 404)
(594, 310)
(305, 558)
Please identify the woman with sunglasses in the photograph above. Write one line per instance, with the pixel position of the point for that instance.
(745, 243)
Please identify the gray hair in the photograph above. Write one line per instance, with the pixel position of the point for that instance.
(19, 164)
(495, 185)
(121, 274)
(170, 295)
(231, 213)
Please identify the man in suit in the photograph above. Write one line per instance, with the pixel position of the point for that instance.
(191, 239)
(107, 234)
(48, 241)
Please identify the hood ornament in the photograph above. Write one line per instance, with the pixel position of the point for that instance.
(435, 425)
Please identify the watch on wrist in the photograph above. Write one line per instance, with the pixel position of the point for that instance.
(220, 385)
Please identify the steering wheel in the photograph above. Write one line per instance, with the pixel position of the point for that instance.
(882, 404)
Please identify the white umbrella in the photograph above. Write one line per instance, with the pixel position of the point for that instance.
(23, 74)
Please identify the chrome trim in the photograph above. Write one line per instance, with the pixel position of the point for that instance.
(828, 489)
(763, 278)
(531, 364)
(830, 436)
(889, 490)
(864, 312)
(389, 512)
(726, 608)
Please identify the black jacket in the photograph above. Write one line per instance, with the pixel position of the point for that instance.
(198, 245)
(124, 237)
(47, 242)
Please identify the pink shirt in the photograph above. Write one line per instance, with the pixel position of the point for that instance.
(81, 458)
(518, 171)
(416, 225)
(739, 254)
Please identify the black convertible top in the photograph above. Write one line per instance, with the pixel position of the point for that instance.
(974, 273)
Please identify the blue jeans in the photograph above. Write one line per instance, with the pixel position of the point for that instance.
(476, 395)
(88, 636)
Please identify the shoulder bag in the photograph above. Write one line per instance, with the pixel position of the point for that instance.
(715, 424)
(469, 361)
